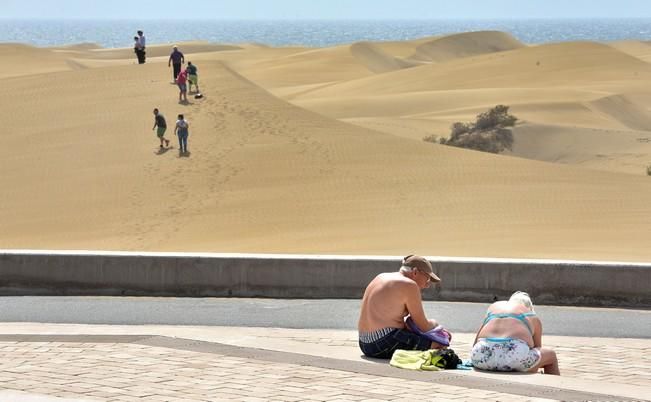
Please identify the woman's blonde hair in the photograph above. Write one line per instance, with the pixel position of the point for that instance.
(523, 299)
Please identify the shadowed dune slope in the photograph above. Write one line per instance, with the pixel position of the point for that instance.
(624, 110)
(595, 148)
(376, 60)
(465, 45)
(402, 49)
(266, 176)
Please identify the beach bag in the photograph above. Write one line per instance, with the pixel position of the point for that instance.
(448, 359)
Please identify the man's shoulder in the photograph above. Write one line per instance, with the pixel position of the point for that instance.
(397, 279)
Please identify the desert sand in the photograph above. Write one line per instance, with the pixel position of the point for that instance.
(320, 150)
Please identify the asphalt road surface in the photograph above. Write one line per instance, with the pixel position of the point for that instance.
(293, 313)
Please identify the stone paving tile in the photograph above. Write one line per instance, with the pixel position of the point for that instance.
(628, 362)
(106, 372)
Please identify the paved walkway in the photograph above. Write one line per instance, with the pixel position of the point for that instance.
(59, 362)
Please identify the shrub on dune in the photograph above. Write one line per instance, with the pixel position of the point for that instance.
(489, 133)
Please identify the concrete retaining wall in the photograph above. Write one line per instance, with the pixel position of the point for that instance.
(295, 276)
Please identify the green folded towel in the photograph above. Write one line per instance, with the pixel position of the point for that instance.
(416, 359)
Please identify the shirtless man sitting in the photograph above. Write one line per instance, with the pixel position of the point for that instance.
(388, 299)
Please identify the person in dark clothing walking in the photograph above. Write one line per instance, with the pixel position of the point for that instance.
(136, 50)
(159, 121)
(140, 47)
(193, 78)
(176, 60)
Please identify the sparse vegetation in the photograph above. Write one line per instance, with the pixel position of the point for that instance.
(648, 170)
(431, 138)
(489, 133)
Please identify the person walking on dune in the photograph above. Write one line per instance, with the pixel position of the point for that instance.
(176, 60)
(140, 47)
(182, 131)
(136, 50)
(182, 82)
(193, 79)
(159, 121)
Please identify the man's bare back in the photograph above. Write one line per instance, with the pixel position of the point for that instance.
(385, 302)
(391, 296)
(388, 299)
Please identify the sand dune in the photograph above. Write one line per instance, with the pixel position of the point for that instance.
(624, 110)
(565, 64)
(376, 60)
(308, 67)
(404, 48)
(77, 47)
(82, 168)
(623, 151)
(581, 86)
(19, 60)
(639, 49)
(465, 45)
(160, 50)
(459, 104)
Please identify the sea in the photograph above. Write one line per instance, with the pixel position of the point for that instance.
(311, 33)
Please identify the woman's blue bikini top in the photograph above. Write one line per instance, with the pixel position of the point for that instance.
(521, 317)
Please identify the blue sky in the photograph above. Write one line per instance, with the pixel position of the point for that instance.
(323, 9)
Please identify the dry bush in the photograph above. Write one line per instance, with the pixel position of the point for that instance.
(489, 133)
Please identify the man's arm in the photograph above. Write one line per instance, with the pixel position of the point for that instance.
(415, 307)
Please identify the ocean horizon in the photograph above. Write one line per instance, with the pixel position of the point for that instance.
(312, 33)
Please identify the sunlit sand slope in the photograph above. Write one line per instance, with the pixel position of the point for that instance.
(82, 170)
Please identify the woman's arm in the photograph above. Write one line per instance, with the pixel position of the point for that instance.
(482, 324)
(477, 336)
(537, 332)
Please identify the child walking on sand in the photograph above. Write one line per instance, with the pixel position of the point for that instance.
(159, 121)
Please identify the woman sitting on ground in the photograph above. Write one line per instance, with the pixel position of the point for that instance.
(510, 339)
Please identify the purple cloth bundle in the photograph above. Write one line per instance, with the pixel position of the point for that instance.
(439, 334)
